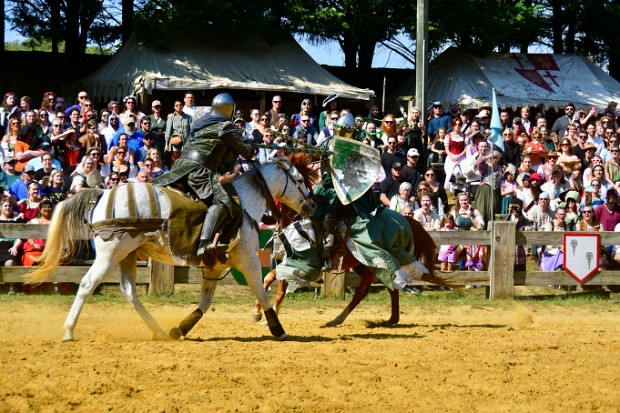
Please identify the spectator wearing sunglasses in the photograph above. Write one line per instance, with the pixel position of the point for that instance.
(131, 109)
(328, 131)
(272, 114)
(392, 155)
(81, 97)
(304, 112)
(142, 153)
(48, 104)
(8, 176)
(305, 126)
(113, 126)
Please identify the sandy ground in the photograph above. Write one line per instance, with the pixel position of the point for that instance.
(516, 357)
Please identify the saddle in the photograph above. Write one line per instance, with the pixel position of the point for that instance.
(186, 220)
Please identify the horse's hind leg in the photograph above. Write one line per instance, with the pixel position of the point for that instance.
(280, 294)
(206, 298)
(360, 294)
(250, 267)
(395, 301)
(89, 282)
(129, 269)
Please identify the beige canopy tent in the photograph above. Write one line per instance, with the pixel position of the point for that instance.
(518, 78)
(209, 63)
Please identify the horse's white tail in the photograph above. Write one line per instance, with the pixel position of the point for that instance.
(65, 226)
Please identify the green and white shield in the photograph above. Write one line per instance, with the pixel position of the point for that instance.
(355, 168)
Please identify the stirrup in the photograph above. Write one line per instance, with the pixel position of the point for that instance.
(211, 248)
(208, 261)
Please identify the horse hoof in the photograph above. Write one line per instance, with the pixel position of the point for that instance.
(175, 333)
(330, 324)
(255, 317)
(283, 337)
(67, 340)
(160, 337)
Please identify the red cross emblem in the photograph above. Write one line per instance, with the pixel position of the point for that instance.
(540, 69)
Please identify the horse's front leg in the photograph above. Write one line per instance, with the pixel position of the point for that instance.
(209, 284)
(360, 294)
(251, 269)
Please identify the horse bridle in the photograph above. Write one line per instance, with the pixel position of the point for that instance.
(287, 172)
(275, 211)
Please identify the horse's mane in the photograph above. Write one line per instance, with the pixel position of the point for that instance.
(311, 175)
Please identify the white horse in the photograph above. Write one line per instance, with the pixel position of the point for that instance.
(135, 219)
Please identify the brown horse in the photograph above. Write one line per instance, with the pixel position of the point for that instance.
(425, 250)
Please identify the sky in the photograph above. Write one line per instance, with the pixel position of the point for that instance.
(324, 54)
(331, 54)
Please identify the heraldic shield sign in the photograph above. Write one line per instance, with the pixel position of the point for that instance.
(355, 168)
(581, 255)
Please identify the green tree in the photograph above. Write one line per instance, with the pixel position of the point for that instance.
(485, 26)
(589, 28)
(158, 20)
(357, 26)
(57, 20)
(474, 25)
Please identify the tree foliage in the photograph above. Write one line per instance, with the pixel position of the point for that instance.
(160, 19)
(76, 22)
(499, 25)
(588, 27)
(358, 26)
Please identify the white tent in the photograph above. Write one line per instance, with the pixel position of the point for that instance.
(519, 79)
(209, 63)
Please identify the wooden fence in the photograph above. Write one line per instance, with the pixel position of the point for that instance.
(500, 276)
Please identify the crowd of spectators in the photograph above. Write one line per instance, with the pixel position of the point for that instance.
(54, 149)
(556, 176)
(568, 162)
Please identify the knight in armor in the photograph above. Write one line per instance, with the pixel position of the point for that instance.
(332, 209)
(214, 146)
(379, 238)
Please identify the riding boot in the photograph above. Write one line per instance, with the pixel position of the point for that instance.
(217, 215)
(329, 228)
(328, 248)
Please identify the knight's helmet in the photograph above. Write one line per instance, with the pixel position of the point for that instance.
(345, 126)
(223, 104)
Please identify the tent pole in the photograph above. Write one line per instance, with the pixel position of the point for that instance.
(262, 102)
(421, 54)
(383, 95)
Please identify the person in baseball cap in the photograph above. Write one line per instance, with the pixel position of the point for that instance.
(536, 177)
(523, 177)
(413, 152)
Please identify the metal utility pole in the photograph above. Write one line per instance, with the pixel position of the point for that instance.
(421, 54)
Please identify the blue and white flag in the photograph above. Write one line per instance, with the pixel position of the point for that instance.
(496, 125)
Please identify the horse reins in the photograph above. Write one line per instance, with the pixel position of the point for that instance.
(275, 211)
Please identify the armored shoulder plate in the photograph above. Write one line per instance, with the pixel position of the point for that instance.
(226, 128)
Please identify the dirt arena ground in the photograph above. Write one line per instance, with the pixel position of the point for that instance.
(505, 357)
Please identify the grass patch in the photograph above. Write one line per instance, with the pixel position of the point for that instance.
(189, 295)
